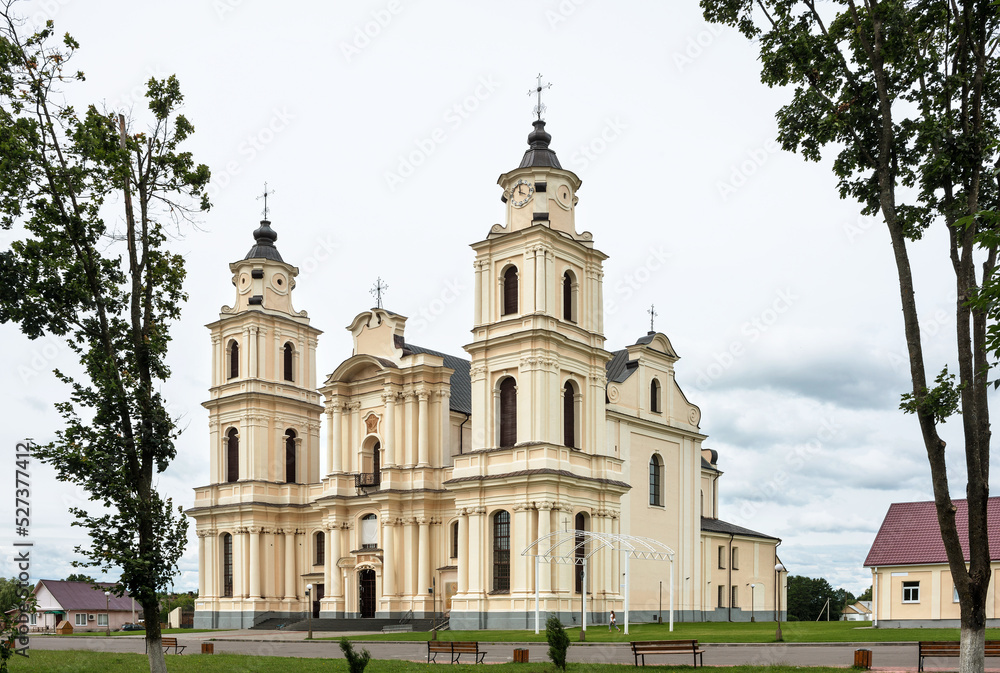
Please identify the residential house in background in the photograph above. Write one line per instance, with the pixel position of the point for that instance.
(911, 583)
(85, 607)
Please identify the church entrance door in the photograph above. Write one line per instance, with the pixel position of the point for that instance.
(366, 593)
(320, 593)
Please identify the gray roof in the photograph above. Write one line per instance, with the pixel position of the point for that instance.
(619, 367)
(461, 380)
(720, 526)
(538, 153)
(264, 247)
(82, 596)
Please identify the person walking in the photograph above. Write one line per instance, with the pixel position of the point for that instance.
(613, 624)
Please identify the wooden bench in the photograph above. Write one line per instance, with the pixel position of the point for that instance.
(455, 648)
(167, 643)
(641, 648)
(949, 648)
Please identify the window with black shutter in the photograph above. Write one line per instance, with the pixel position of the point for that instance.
(580, 549)
(454, 540)
(232, 455)
(655, 481)
(510, 291)
(234, 359)
(290, 457)
(501, 552)
(569, 415)
(508, 412)
(654, 396)
(289, 351)
(227, 565)
(568, 296)
(320, 542)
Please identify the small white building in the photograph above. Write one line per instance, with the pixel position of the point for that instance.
(82, 605)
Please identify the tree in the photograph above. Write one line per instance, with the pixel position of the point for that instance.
(110, 291)
(558, 641)
(807, 597)
(80, 577)
(17, 602)
(355, 662)
(866, 595)
(905, 93)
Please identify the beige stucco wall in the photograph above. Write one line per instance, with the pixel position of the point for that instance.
(937, 593)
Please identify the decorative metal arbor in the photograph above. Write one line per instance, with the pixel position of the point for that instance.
(576, 547)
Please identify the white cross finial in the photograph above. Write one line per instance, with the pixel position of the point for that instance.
(264, 196)
(652, 315)
(537, 91)
(378, 290)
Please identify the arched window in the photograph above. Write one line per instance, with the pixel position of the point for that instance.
(654, 396)
(288, 352)
(508, 412)
(569, 300)
(290, 457)
(510, 291)
(377, 462)
(234, 359)
(656, 481)
(319, 543)
(580, 549)
(501, 552)
(232, 455)
(369, 531)
(227, 565)
(454, 540)
(569, 414)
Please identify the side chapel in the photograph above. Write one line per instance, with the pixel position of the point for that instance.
(440, 470)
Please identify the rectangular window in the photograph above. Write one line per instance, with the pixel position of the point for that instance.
(722, 556)
(954, 597)
(911, 592)
(722, 597)
(102, 620)
(734, 602)
(736, 559)
(80, 619)
(33, 619)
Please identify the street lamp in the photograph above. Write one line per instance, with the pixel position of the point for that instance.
(752, 586)
(778, 569)
(309, 612)
(107, 611)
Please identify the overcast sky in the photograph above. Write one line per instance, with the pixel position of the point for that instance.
(382, 128)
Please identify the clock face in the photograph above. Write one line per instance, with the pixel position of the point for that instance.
(521, 193)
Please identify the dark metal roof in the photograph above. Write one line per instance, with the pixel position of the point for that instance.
(461, 380)
(619, 367)
(538, 152)
(264, 247)
(645, 339)
(720, 526)
(82, 596)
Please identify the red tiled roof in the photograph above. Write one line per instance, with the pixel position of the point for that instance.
(82, 596)
(910, 534)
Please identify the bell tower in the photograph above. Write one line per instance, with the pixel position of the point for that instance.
(264, 408)
(539, 314)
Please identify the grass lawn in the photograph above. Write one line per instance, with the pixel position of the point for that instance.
(104, 662)
(97, 634)
(707, 632)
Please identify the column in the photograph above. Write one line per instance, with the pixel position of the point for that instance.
(544, 528)
(463, 551)
(255, 562)
(424, 558)
(216, 380)
(331, 554)
(354, 441)
(201, 563)
(335, 585)
(211, 563)
(409, 543)
(245, 353)
(389, 560)
(446, 449)
(269, 564)
(538, 266)
(476, 545)
(486, 285)
(252, 355)
(261, 347)
(477, 294)
(423, 429)
(336, 438)
(518, 541)
(240, 561)
(310, 365)
(290, 587)
(406, 448)
(389, 434)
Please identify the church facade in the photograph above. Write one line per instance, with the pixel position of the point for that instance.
(439, 470)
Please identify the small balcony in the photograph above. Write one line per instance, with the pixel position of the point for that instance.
(367, 480)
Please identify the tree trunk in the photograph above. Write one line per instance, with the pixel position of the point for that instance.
(151, 613)
(971, 659)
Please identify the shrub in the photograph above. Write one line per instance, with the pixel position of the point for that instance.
(355, 661)
(558, 642)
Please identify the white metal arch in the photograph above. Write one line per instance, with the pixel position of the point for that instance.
(561, 547)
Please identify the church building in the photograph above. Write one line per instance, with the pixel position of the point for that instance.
(438, 471)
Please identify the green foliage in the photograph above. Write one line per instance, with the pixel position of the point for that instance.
(808, 595)
(866, 595)
(356, 662)
(558, 641)
(16, 603)
(80, 577)
(111, 290)
(939, 402)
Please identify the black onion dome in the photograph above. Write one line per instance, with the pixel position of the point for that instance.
(264, 247)
(538, 153)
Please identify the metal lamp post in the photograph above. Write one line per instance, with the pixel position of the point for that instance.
(778, 569)
(752, 608)
(107, 612)
(309, 612)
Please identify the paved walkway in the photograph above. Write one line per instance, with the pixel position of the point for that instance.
(885, 656)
